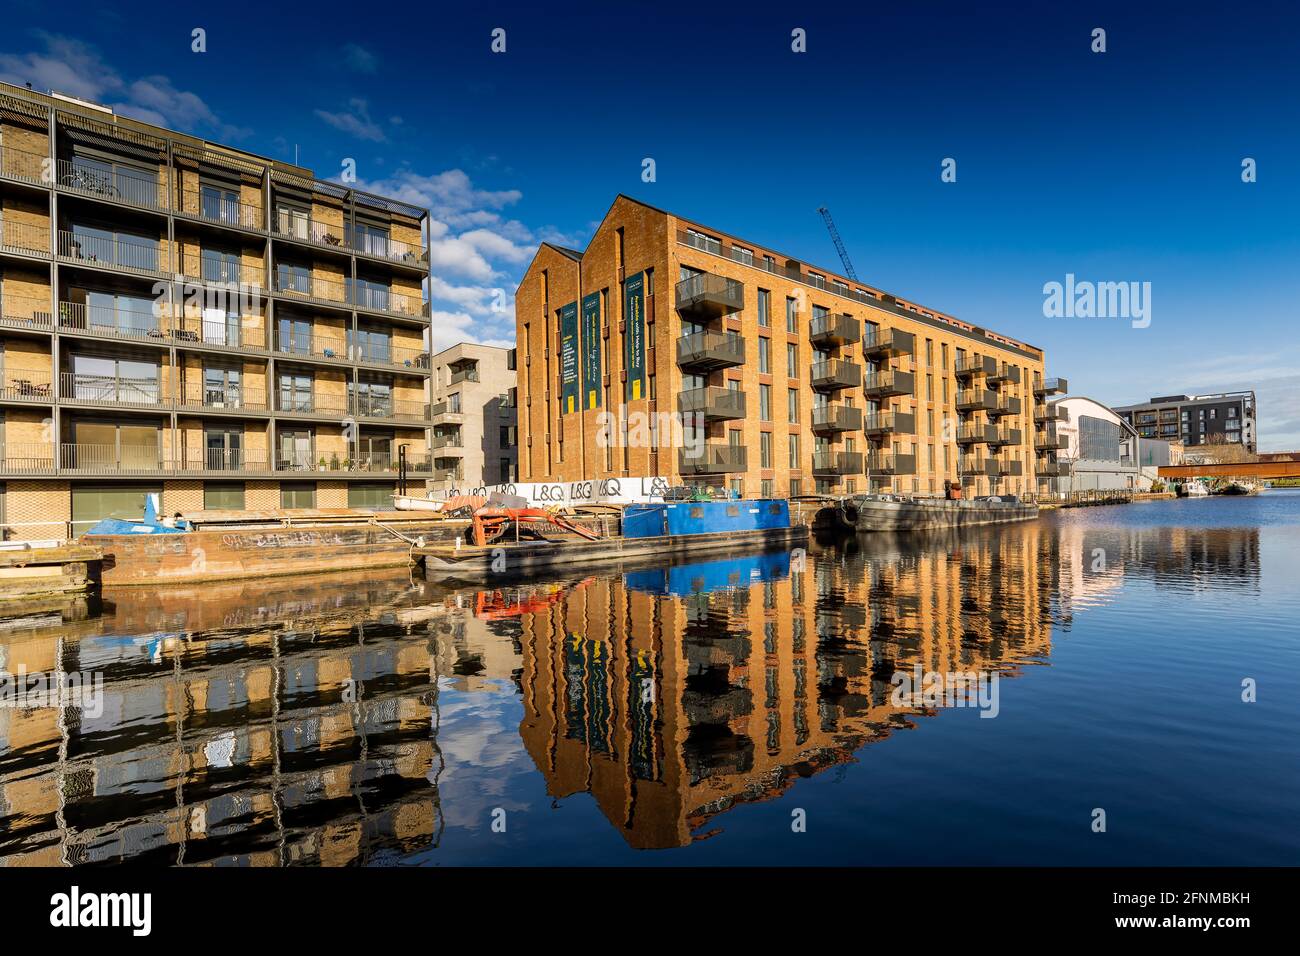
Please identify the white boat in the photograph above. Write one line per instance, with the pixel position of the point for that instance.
(412, 503)
(1193, 489)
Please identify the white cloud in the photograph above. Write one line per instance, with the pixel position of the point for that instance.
(67, 65)
(359, 59)
(355, 121)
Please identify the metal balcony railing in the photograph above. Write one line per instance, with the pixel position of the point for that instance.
(888, 341)
(390, 355)
(710, 295)
(714, 402)
(123, 459)
(297, 403)
(222, 460)
(836, 418)
(220, 332)
(225, 211)
(112, 390)
(889, 382)
(24, 237)
(291, 224)
(448, 442)
(112, 321)
(297, 285)
(712, 460)
(233, 398)
(835, 329)
(24, 166)
(385, 406)
(469, 374)
(120, 183)
(885, 463)
(334, 348)
(446, 410)
(1052, 386)
(223, 272)
(127, 253)
(976, 398)
(23, 385)
(899, 423)
(392, 250)
(836, 374)
(838, 462)
(23, 312)
(710, 349)
(27, 458)
(383, 300)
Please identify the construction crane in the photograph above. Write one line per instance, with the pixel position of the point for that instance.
(839, 243)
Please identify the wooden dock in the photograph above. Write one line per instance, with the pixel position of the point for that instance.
(37, 573)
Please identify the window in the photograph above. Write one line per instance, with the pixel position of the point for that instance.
(791, 315)
(764, 308)
(765, 403)
(223, 447)
(296, 392)
(792, 404)
(370, 293)
(765, 488)
(217, 265)
(293, 278)
(223, 496)
(765, 356)
(765, 449)
(369, 238)
(297, 494)
(371, 495)
(108, 379)
(741, 254)
(373, 345)
(219, 203)
(794, 454)
(791, 360)
(122, 249)
(295, 449)
(796, 489)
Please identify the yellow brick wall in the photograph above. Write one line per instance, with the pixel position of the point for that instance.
(30, 219)
(261, 495)
(26, 292)
(331, 494)
(182, 496)
(37, 509)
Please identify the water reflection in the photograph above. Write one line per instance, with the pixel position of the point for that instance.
(267, 724)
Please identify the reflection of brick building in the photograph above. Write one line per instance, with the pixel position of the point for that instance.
(231, 744)
(670, 709)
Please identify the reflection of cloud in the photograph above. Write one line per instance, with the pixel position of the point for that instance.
(478, 734)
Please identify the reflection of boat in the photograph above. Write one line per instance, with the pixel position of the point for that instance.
(702, 576)
(890, 513)
(520, 541)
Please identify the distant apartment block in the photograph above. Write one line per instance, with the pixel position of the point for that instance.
(1221, 418)
(188, 319)
(787, 378)
(475, 438)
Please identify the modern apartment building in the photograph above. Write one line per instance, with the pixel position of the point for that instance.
(673, 350)
(475, 439)
(184, 318)
(1223, 418)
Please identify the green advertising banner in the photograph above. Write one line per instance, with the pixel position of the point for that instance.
(569, 389)
(591, 367)
(634, 336)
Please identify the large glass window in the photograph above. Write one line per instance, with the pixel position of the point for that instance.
(224, 448)
(371, 345)
(223, 496)
(374, 495)
(110, 312)
(369, 293)
(372, 398)
(1098, 439)
(116, 180)
(219, 203)
(222, 387)
(295, 449)
(216, 265)
(294, 335)
(113, 445)
(123, 249)
(370, 238)
(297, 494)
(296, 392)
(106, 379)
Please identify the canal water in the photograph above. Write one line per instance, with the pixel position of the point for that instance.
(1133, 671)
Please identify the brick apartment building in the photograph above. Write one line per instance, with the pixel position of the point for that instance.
(183, 318)
(475, 439)
(804, 381)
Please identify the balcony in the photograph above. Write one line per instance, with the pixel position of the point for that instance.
(1005, 372)
(837, 463)
(369, 299)
(328, 348)
(119, 184)
(115, 459)
(24, 238)
(310, 288)
(709, 296)
(389, 250)
(23, 166)
(837, 329)
(1052, 469)
(977, 434)
(220, 461)
(710, 350)
(1052, 386)
(225, 211)
(113, 322)
(122, 253)
(391, 356)
(884, 342)
(447, 446)
(835, 374)
(1006, 405)
(886, 463)
(1004, 436)
(1050, 413)
(974, 399)
(362, 463)
(467, 374)
(289, 224)
(1009, 467)
(388, 408)
(714, 402)
(1046, 439)
(229, 398)
(968, 366)
(836, 418)
(890, 423)
(889, 383)
(971, 465)
(223, 274)
(443, 413)
(712, 460)
(86, 389)
(311, 406)
(27, 458)
(23, 385)
(221, 332)
(22, 312)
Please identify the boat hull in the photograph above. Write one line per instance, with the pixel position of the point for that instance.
(870, 514)
(510, 559)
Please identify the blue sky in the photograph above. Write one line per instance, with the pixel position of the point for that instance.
(1121, 166)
